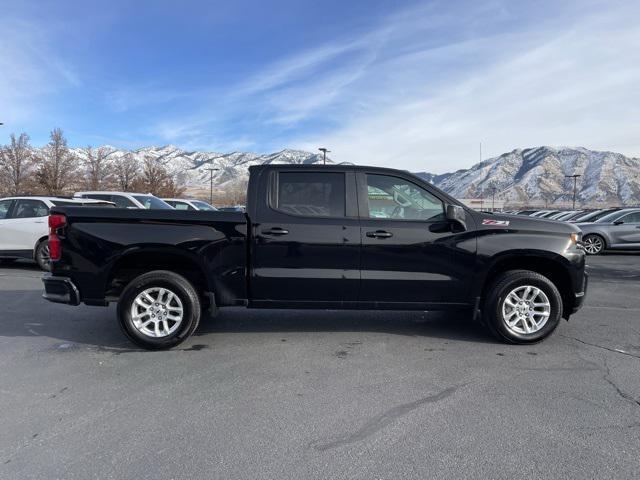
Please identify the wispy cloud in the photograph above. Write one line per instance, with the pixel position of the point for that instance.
(29, 69)
(418, 88)
(567, 83)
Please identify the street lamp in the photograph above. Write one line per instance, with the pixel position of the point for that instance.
(211, 170)
(324, 154)
(575, 185)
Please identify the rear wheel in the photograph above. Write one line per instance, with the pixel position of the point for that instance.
(593, 244)
(43, 256)
(159, 310)
(522, 307)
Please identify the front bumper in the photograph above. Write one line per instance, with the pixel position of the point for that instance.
(580, 296)
(60, 290)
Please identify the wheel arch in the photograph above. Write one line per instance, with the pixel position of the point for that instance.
(140, 261)
(601, 234)
(555, 268)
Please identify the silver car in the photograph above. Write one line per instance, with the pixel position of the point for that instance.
(618, 230)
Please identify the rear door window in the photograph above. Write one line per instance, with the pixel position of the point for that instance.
(181, 205)
(311, 194)
(122, 202)
(30, 209)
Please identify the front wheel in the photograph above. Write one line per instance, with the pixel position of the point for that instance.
(522, 307)
(159, 310)
(593, 244)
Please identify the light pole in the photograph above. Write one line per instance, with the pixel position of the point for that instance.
(324, 154)
(492, 189)
(211, 170)
(575, 185)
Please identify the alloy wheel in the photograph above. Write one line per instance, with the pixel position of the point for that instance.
(157, 312)
(593, 244)
(526, 309)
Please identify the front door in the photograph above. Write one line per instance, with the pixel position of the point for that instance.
(306, 246)
(409, 252)
(626, 234)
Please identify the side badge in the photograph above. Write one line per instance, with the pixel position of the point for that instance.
(495, 223)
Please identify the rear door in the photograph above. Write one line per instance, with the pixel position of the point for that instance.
(306, 244)
(410, 254)
(27, 224)
(626, 234)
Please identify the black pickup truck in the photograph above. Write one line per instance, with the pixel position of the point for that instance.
(321, 237)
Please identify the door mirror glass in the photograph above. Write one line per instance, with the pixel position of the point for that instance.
(456, 213)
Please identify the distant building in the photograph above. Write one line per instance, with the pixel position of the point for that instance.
(483, 203)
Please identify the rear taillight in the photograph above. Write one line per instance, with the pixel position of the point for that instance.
(56, 221)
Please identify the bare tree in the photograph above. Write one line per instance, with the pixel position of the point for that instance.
(16, 164)
(156, 180)
(126, 172)
(98, 172)
(154, 175)
(56, 165)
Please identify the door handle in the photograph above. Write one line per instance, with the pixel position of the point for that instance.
(275, 231)
(379, 234)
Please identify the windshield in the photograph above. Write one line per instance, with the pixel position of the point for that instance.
(610, 217)
(151, 202)
(203, 205)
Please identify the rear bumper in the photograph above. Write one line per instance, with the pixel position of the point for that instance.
(580, 296)
(60, 290)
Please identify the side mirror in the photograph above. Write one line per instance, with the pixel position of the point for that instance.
(456, 213)
(618, 222)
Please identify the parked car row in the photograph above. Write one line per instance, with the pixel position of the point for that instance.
(602, 229)
(23, 219)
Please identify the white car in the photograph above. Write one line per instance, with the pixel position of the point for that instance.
(24, 226)
(182, 204)
(126, 199)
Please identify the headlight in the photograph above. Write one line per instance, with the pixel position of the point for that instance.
(576, 239)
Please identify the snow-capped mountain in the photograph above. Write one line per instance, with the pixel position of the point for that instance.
(538, 175)
(530, 175)
(190, 168)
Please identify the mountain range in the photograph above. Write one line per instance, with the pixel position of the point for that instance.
(539, 175)
(530, 175)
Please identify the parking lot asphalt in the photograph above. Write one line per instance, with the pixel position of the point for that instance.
(320, 394)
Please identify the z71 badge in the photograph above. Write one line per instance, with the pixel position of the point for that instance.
(495, 223)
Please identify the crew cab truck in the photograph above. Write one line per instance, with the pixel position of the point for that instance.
(318, 237)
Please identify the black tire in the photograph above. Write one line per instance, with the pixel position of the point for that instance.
(188, 299)
(497, 295)
(41, 256)
(594, 244)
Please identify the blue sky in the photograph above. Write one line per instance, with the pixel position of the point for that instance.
(415, 85)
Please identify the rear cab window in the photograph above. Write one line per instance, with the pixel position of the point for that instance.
(310, 194)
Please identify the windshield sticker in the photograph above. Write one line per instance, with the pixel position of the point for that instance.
(496, 223)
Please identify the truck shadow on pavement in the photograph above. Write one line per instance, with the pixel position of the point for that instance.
(25, 314)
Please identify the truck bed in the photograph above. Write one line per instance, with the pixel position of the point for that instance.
(106, 248)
